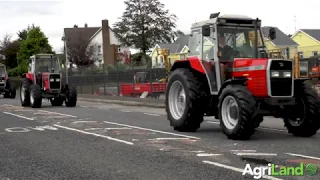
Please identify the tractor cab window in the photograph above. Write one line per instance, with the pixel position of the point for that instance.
(237, 42)
(141, 77)
(47, 65)
(2, 70)
(195, 43)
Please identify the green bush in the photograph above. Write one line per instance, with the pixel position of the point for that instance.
(17, 71)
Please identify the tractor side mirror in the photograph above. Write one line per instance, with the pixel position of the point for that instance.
(206, 30)
(272, 33)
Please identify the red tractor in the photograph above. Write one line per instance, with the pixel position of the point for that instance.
(44, 81)
(228, 75)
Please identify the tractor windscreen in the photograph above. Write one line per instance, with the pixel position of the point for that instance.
(47, 64)
(239, 42)
(2, 70)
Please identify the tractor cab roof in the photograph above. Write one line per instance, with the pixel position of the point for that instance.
(216, 16)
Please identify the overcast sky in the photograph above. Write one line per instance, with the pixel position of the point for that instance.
(53, 16)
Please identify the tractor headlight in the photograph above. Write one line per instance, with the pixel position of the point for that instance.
(51, 80)
(275, 74)
(57, 80)
(287, 74)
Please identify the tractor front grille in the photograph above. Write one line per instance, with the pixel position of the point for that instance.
(281, 86)
(54, 80)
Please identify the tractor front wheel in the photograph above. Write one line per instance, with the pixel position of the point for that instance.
(35, 96)
(25, 92)
(303, 119)
(236, 112)
(71, 96)
(184, 101)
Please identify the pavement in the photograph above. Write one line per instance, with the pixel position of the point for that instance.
(99, 140)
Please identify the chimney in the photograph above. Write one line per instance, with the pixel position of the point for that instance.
(75, 26)
(108, 55)
(85, 25)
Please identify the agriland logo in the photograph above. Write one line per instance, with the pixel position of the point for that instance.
(271, 170)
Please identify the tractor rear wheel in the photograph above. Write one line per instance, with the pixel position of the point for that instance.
(10, 90)
(185, 102)
(71, 96)
(25, 92)
(35, 96)
(303, 118)
(236, 112)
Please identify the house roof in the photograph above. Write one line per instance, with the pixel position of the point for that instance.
(73, 34)
(281, 40)
(315, 33)
(178, 45)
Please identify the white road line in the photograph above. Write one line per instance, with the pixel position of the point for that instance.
(150, 114)
(121, 128)
(243, 150)
(125, 111)
(94, 134)
(75, 122)
(92, 129)
(272, 129)
(152, 130)
(16, 115)
(171, 138)
(23, 110)
(304, 156)
(256, 154)
(68, 115)
(237, 169)
(83, 106)
(213, 122)
(207, 154)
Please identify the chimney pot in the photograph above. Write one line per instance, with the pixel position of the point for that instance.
(86, 25)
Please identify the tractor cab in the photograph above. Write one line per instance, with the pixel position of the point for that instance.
(3, 75)
(223, 39)
(45, 67)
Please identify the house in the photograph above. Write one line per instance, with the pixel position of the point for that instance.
(102, 40)
(309, 42)
(278, 47)
(177, 50)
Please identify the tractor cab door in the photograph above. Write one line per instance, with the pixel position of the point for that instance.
(201, 46)
(141, 77)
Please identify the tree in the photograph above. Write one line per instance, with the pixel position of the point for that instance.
(22, 35)
(145, 23)
(81, 52)
(35, 43)
(9, 49)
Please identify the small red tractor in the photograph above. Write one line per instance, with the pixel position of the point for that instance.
(229, 75)
(7, 88)
(44, 81)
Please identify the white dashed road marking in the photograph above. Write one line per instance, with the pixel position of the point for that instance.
(125, 111)
(150, 114)
(256, 154)
(50, 112)
(94, 134)
(152, 130)
(19, 116)
(304, 156)
(207, 154)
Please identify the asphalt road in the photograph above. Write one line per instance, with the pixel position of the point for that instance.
(108, 141)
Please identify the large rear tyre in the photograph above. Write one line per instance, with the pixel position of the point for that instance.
(71, 96)
(303, 119)
(185, 100)
(35, 96)
(236, 112)
(25, 92)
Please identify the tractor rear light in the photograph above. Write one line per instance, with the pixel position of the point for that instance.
(287, 74)
(275, 74)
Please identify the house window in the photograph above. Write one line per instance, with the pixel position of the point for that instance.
(315, 53)
(99, 50)
(300, 55)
